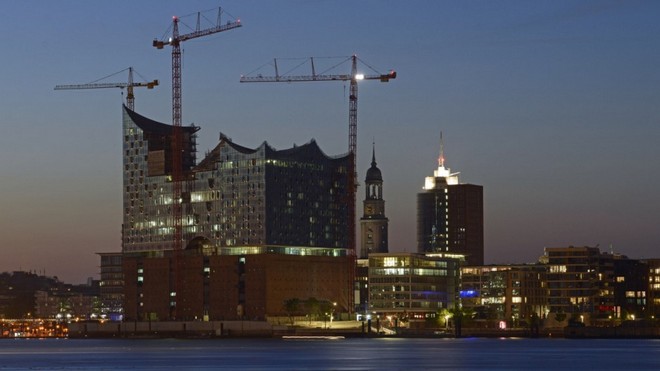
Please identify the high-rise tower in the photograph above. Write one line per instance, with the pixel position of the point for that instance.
(450, 216)
(373, 224)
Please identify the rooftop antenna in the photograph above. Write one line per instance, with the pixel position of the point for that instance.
(441, 159)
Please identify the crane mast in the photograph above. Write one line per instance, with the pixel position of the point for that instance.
(130, 98)
(177, 131)
(353, 78)
(352, 127)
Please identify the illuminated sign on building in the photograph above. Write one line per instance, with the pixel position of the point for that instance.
(468, 294)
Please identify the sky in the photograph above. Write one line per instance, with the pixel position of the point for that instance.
(552, 106)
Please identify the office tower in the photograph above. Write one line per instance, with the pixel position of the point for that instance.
(450, 215)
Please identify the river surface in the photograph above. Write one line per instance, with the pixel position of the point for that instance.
(344, 354)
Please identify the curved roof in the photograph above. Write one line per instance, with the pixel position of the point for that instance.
(151, 126)
(308, 150)
(374, 174)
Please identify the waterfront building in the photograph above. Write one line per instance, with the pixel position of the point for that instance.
(111, 286)
(581, 283)
(235, 197)
(232, 287)
(412, 287)
(653, 297)
(511, 293)
(19, 295)
(631, 281)
(362, 286)
(373, 224)
(66, 305)
(450, 216)
(250, 216)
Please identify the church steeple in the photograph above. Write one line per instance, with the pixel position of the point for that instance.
(373, 174)
(373, 223)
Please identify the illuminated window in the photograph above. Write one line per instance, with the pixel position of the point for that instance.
(390, 262)
(557, 269)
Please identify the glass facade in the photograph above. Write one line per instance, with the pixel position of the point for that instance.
(507, 292)
(237, 200)
(408, 282)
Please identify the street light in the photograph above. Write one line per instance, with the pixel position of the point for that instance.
(447, 316)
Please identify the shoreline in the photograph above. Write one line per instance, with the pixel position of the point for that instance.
(262, 329)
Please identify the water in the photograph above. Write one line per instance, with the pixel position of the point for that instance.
(346, 354)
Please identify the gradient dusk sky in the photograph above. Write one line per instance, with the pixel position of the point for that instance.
(552, 106)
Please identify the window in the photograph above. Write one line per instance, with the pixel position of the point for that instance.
(557, 269)
(390, 261)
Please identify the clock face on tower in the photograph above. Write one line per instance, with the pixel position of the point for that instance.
(369, 210)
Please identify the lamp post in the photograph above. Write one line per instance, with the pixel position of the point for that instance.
(334, 309)
(447, 316)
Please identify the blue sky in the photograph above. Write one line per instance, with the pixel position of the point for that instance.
(552, 106)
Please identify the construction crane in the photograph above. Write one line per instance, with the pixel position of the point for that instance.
(130, 98)
(353, 77)
(177, 136)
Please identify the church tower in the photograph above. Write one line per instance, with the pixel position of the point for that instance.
(373, 224)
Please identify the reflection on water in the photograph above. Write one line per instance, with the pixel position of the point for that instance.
(346, 354)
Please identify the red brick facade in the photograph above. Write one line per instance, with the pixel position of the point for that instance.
(228, 287)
